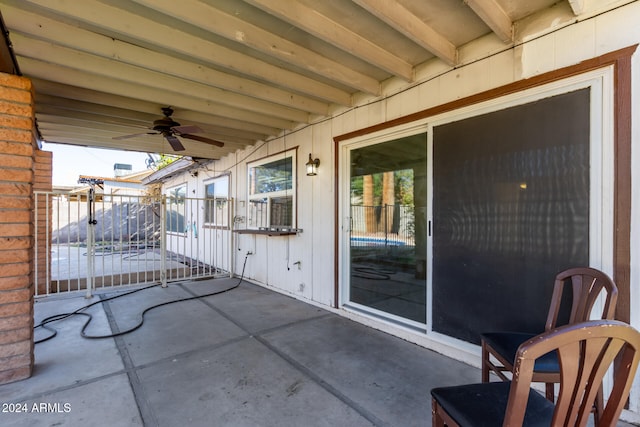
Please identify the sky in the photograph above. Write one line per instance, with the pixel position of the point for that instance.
(70, 161)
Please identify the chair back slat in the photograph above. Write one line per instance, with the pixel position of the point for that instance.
(580, 387)
(587, 284)
(568, 395)
(626, 368)
(586, 351)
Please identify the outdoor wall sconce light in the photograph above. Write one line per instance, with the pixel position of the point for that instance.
(312, 166)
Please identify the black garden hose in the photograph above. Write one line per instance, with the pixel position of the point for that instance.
(80, 311)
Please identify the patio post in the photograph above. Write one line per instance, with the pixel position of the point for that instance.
(20, 176)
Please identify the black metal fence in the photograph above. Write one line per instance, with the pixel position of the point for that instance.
(382, 225)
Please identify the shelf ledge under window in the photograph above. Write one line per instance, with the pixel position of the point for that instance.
(273, 231)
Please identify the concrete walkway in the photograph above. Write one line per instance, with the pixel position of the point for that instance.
(247, 357)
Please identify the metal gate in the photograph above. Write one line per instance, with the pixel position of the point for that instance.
(90, 241)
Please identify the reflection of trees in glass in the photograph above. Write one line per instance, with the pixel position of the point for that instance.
(272, 191)
(270, 177)
(388, 200)
(402, 188)
(165, 160)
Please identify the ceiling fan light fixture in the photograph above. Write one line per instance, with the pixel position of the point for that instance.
(171, 130)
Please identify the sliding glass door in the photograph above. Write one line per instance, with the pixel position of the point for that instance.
(459, 225)
(386, 235)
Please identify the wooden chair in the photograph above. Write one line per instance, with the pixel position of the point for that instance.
(587, 285)
(585, 352)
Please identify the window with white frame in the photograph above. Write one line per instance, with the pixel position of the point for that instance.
(216, 207)
(272, 191)
(176, 209)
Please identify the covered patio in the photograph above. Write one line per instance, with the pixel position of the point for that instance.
(246, 357)
(363, 89)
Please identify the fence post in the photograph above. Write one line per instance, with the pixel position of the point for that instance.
(163, 241)
(36, 243)
(48, 242)
(90, 241)
(231, 212)
(386, 224)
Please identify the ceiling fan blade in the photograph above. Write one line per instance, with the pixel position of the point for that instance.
(133, 135)
(174, 142)
(203, 139)
(187, 129)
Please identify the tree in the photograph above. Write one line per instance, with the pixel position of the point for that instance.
(162, 161)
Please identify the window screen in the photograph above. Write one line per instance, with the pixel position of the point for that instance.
(511, 210)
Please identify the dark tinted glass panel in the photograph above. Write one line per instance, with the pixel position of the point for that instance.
(511, 209)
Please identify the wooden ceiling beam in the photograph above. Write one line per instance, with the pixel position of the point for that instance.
(83, 40)
(88, 117)
(102, 110)
(494, 16)
(8, 62)
(70, 76)
(323, 27)
(71, 112)
(48, 119)
(210, 19)
(124, 104)
(404, 21)
(85, 117)
(578, 6)
(84, 62)
(143, 31)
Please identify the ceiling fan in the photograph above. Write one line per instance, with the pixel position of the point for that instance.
(171, 129)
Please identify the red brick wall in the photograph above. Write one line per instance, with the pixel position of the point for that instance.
(17, 154)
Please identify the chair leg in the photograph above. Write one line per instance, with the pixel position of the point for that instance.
(436, 419)
(485, 363)
(550, 392)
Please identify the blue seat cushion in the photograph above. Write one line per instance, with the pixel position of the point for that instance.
(484, 405)
(506, 344)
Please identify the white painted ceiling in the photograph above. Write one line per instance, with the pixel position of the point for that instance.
(241, 71)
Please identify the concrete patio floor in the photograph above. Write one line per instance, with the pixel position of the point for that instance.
(247, 357)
